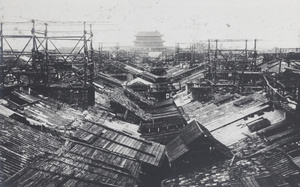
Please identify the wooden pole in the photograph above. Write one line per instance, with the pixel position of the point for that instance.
(280, 61)
(91, 59)
(33, 51)
(85, 55)
(1, 35)
(47, 55)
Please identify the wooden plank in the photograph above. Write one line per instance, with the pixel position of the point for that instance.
(277, 144)
(243, 101)
(101, 149)
(273, 127)
(282, 135)
(258, 124)
(120, 132)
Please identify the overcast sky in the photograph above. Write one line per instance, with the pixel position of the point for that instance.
(276, 22)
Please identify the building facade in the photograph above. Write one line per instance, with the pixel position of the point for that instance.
(149, 41)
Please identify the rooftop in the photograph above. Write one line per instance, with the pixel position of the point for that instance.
(78, 164)
(21, 144)
(119, 142)
(263, 154)
(179, 145)
(149, 33)
(86, 148)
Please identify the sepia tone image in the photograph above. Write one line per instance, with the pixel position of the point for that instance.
(149, 93)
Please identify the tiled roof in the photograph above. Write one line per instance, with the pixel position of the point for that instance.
(121, 143)
(179, 145)
(148, 33)
(79, 164)
(19, 144)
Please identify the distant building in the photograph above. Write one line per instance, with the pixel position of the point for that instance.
(149, 41)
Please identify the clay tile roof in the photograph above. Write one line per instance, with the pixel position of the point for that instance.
(149, 33)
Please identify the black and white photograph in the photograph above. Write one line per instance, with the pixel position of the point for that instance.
(149, 93)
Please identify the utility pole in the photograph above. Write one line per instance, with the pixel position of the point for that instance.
(1, 55)
(1, 40)
(91, 43)
(191, 50)
(117, 48)
(92, 63)
(244, 65)
(195, 53)
(99, 56)
(215, 62)
(100, 52)
(47, 56)
(208, 56)
(246, 52)
(33, 51)
(280, 61)
(255, 55)
(176, 53)
(33, 41)
(208, 52)
(85, 55)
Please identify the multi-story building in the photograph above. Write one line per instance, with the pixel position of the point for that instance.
(149, 41)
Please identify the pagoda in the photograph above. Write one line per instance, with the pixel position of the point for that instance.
(149, 41)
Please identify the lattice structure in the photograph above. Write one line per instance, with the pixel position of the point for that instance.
(45, 64)
(230, 61)
(290, 55)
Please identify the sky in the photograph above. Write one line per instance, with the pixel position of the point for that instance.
(273, 22)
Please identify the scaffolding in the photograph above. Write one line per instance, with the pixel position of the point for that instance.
(43, 65)
(185, 52)
(231, 62)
